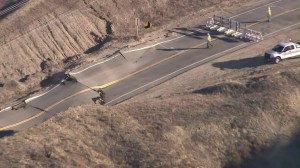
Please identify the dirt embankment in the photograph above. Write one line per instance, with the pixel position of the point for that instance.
(249, 120)
(35, 39)
(233, 112)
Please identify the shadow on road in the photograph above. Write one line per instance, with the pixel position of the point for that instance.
(249, 22)
(241, 63)
(27, 95)
(38, 108)
(189, 32)
(200, 32)
(7, 133)
(53, 79)
(228, 39)
(179, 49)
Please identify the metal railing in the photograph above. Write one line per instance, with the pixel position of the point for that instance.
(13, 7)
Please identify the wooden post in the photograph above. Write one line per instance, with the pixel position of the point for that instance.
(245, 29)
(137, 23)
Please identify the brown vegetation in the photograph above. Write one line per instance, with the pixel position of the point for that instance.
(231, 118)
(54, 30)
(215, 126)
(232, 112)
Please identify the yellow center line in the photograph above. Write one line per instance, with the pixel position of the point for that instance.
(275, 16)
(125, 77)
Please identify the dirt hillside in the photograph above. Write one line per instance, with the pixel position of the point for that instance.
(37, 39)
(235, 111)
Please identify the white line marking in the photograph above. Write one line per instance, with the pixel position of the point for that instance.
(156, 44)
(174, 49)
(30, 99)
(199, 30)
(165, 46)
(193, 65)
(95, 65)
(35, 97)
(5, 109)
(175, 72)
(125, 52)
(254, 9)
(279, 7)
(282, 29)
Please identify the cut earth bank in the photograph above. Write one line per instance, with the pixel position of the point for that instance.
(44, 36)
(235, 111)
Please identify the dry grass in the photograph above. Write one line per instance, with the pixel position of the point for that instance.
(232, 112)
(221, 125)
(58, 29)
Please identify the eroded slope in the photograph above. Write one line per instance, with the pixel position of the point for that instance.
(50, 31)
(220, 125)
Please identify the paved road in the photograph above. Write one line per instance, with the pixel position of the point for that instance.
(136, 71)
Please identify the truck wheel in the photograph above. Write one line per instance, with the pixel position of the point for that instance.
(277, 60)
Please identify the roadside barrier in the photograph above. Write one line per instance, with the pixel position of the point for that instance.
(232, 28)
(210, 22)
(253, 35)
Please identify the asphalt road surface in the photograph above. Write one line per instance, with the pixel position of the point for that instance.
(126, 75)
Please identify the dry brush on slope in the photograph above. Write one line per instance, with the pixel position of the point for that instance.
(222, 125)
(52, 31)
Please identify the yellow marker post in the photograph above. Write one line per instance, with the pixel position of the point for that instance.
(125, 77)
(148, 25)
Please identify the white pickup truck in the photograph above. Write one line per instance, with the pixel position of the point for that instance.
(282, 51)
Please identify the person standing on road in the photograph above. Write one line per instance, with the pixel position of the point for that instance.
(269, 14)
(209, 44)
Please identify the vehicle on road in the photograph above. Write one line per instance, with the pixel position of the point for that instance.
(282, 51)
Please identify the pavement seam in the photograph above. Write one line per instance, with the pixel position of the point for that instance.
(143, 69)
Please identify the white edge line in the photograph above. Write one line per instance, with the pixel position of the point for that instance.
(95, 65)
(253, 9)
(125, 52)
(155, 44)
(35, 97)
(281, 29)
(175, 72)
(5, 109)
(193, 65)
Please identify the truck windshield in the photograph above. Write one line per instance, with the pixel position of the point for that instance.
(278, 48)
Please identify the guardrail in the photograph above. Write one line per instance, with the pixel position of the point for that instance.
(13, 7)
